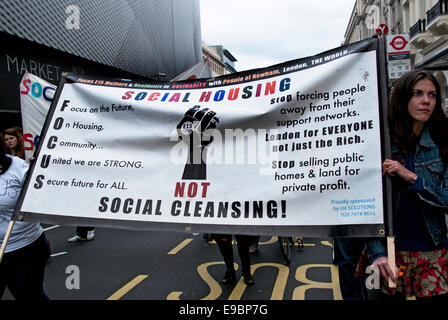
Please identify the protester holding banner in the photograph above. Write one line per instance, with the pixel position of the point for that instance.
(27, 251)
(12, 140)
(419, 173)
(224, 242)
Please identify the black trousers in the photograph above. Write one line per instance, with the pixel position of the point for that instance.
(82, 231)
(22, 271)
(347, 252)
(224, 242)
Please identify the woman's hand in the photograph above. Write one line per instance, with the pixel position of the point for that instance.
(395, 168)
(385, 270)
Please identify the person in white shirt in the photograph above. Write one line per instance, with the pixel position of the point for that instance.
(27, 251)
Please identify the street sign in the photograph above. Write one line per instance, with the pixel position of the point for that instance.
(398, 43)
(382, 29)
(398, 55)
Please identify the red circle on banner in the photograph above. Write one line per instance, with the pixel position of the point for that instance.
(398, 43)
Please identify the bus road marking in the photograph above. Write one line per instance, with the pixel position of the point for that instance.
(180, 246)
(127, 287)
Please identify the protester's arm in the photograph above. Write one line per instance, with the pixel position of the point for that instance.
(377, 253)
(430, 192)
(396, 169)
(385, 270)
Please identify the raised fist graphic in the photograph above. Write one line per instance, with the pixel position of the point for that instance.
(192, 129)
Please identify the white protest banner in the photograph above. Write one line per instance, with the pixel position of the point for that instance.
(290, 149)
(36, 96)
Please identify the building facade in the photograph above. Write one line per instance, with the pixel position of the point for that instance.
(222, 62)
(426, 22)
(428, 29)
(141, 39)
(368, 15)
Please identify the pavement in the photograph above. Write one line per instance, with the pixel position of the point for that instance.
(160, 265)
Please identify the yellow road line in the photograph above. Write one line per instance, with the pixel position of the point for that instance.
(327, 243)
(52, 227)
(180, 246)
(127, 287)
(175, 295)
(307, 244)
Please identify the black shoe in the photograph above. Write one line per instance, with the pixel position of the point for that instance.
(229, 277)
(248, 280)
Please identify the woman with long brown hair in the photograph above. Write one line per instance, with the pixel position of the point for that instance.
(419, 172)
(13, 142)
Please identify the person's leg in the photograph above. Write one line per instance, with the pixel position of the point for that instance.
(83, 232)
(253, 248)
(244, 242)
(3, 274)
(26, 271)
(347, 252)
(224, 242)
